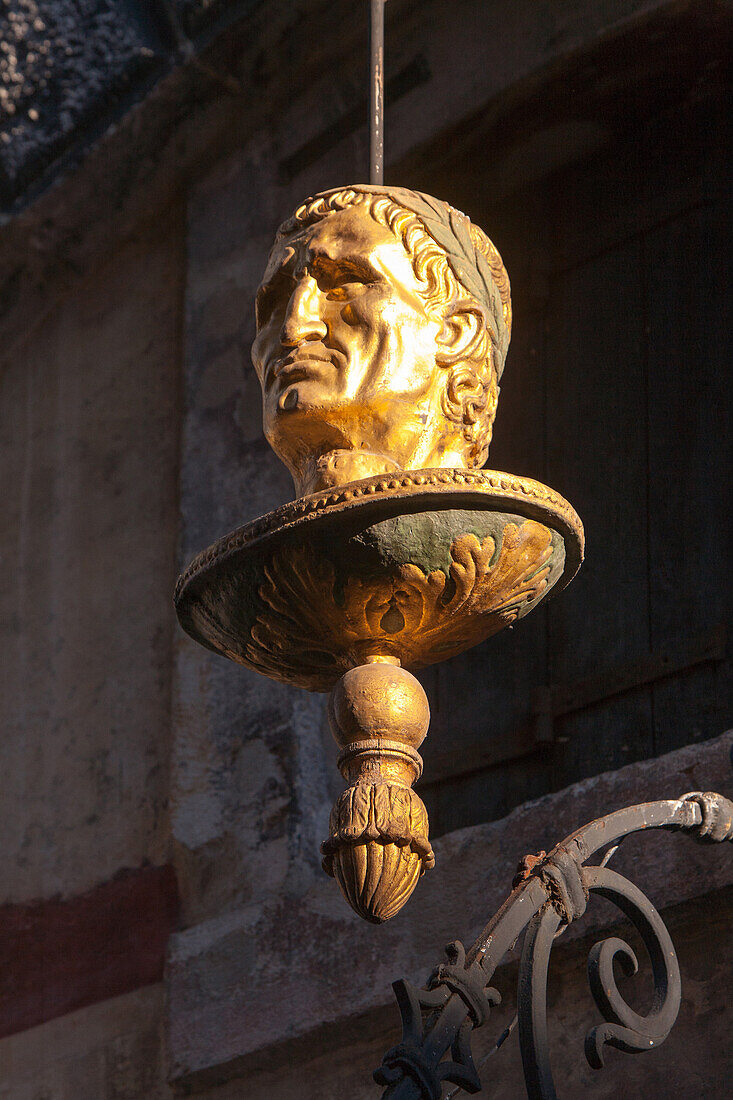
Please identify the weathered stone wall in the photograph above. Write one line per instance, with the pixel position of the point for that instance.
(89, 411)
(113, 1050)
(89, 430)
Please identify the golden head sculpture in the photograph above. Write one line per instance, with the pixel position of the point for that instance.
(383, 322)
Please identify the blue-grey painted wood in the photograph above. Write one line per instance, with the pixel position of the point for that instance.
(689, 355)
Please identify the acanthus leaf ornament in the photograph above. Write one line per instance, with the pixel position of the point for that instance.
(417, 616)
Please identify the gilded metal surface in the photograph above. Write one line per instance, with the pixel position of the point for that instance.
(410, 569)
(383, 322)
(416, 616)
(418, 489)
(362, 538)
(378, 845)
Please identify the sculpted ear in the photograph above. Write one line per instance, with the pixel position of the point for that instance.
(471, 389)
(463, 329)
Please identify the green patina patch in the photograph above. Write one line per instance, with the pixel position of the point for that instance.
(226, 602)
(423, 539)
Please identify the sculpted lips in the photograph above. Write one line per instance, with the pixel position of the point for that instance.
(300, 364)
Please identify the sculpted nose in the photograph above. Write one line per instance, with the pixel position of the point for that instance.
(303, 316)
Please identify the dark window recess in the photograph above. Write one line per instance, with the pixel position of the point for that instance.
(607, 194)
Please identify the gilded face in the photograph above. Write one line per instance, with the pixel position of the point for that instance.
(346, 353)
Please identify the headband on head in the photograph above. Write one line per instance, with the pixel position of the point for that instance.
(451, 231)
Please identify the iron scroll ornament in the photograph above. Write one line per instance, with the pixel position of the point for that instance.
(549, 891)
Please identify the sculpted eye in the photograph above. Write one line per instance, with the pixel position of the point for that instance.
(339, 281)
(347, 288)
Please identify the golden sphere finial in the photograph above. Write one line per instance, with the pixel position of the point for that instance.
(379, 700)
(378, 844)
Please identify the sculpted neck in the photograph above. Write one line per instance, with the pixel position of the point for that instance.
(339, 467)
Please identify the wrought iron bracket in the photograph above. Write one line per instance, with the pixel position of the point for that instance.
(549, 892)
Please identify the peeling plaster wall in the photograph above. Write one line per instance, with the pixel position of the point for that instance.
(89, 410)
(114, 1050)
(88, 447)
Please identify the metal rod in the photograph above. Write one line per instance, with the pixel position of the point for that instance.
(376, 97)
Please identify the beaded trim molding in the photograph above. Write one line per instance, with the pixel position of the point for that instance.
(509, 487)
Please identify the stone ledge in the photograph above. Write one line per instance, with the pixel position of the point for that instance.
(113, 1049)
(275, 974)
